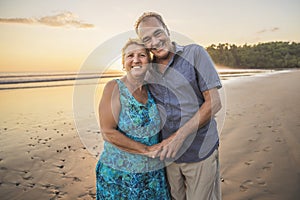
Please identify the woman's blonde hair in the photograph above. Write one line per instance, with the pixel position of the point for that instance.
(137, 42)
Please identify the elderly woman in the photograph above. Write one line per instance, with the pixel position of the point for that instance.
(130, 125)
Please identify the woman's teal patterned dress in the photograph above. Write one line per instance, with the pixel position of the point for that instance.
(121, 175)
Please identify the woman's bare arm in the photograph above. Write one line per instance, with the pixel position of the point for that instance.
(109, 110)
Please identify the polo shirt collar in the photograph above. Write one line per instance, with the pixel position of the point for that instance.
(178, 48)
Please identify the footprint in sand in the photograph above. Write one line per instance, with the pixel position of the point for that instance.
(76, 179)
(260, 181)
(267, 149)
(252, 140)
(245, 185)
(249, 162)
(280, 140)
(27, 176)
(60, 166)
(268, 166)
(31, 185)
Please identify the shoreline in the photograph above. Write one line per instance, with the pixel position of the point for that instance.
(10, 81)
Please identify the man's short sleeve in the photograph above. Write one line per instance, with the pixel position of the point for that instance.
(207, 74)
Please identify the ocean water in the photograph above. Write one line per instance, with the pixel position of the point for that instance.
(18, 80)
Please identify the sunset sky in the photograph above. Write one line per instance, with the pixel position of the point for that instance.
(59, 35)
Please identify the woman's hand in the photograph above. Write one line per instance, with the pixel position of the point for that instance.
(153, 151)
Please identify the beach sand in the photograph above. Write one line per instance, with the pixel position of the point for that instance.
(260, 141)
(42, 156)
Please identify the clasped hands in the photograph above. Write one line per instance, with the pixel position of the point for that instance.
(168, 148)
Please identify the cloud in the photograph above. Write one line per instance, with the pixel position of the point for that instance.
(65, 19)
(274, 29)
(268, 30)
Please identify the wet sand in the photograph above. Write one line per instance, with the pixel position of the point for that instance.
(42, 156)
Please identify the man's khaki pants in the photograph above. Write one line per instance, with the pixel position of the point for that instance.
(195, 181)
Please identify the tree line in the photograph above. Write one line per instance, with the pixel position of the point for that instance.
(262, 55)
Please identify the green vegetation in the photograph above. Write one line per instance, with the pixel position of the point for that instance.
(262, 55)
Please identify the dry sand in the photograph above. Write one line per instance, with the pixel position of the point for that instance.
(42, 157)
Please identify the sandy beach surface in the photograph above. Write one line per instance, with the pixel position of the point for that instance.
(260, 140)
(42, 156)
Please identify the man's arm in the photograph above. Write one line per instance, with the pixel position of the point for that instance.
(211, 105)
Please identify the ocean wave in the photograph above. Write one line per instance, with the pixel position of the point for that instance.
(40, 80)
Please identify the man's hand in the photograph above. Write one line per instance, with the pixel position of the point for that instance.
(208, 109)
(171, 146)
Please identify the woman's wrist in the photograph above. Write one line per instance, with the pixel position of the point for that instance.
(145, 149)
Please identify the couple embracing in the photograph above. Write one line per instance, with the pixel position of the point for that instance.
(157, 121)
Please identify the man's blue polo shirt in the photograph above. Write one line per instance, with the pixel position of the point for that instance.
(178, 94)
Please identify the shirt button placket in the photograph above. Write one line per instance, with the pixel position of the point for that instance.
(167, 98)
